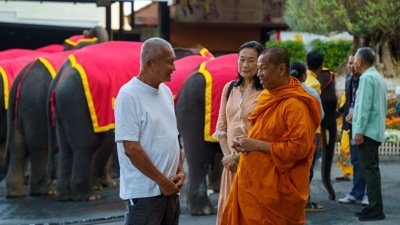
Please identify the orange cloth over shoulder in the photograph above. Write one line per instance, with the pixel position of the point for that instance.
(274, 188)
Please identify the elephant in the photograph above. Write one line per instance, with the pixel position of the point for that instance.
(27, 130)
(197, 111)
(328, 127)
(12, 61)
(94, 35)
(74, 97)
(28, 136)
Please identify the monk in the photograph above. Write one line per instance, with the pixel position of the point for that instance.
(272, 181)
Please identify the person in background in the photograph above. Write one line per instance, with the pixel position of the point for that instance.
(368, 129)
(271, 184)
(238, 100)
(147, 140)
(397, 107)
(298, 70)
(315, 63)
(357, 194)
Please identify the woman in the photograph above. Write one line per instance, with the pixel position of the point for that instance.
(237, 103)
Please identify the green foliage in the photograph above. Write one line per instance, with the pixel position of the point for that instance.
(336, 52)
(295, 50)
(361, 18)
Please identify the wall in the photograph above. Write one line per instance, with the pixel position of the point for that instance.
(215, 37)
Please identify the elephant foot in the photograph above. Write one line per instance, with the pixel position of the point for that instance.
(16, 192)
(98, 187)
(47, 190)
(202, 209)
(63, 197)
(94, 197)
(86, 197)
(104, 183)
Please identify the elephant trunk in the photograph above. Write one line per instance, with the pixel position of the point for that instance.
(97, 31)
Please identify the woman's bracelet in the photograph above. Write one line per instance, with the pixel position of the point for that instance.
(234, 157)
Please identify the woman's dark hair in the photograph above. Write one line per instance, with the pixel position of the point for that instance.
(297, 69)
(256, 80)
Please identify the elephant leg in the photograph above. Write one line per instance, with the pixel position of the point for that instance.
(16, 172)
(327, 158)
(84, 145)
(4, 154)
(39, 182)
(102, 162)
(4, 159)
(65, 158)
(198, 159)
(215, 172)
(81, 185)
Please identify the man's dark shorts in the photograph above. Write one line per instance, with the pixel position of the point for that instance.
(158, 210)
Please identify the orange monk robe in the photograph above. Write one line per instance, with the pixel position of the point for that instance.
(274, 188)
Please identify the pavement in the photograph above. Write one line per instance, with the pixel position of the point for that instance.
(110, 209)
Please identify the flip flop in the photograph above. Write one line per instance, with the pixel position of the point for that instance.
(314, 207)
(343, 178)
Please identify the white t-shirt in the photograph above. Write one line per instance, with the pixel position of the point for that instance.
(146, 115)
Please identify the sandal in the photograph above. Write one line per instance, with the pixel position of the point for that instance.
(343, 178)
(314, 207)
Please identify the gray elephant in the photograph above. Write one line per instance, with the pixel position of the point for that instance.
(28, 136)
(197, 112)
(91, 36)
(27, 131)
(12, 62)
(81, 100)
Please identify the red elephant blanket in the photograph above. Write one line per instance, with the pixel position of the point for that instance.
(53, 62)
(15, 53)
(217, 73)
(184, 67)
(77, 39)
(104, 68)
(51, 48)
(9, 69)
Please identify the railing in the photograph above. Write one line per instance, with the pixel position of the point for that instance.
(386, 148)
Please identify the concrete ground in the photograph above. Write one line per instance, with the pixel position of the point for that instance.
(110, 209)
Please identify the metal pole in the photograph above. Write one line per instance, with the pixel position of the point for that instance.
(164, 21)
(133, 15)
(121, 20)
(108, 22)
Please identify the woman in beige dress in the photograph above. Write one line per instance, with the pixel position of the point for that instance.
(236, 107)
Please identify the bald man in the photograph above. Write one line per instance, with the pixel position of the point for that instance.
(272, 181)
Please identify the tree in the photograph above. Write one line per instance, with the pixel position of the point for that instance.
(372, 23)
